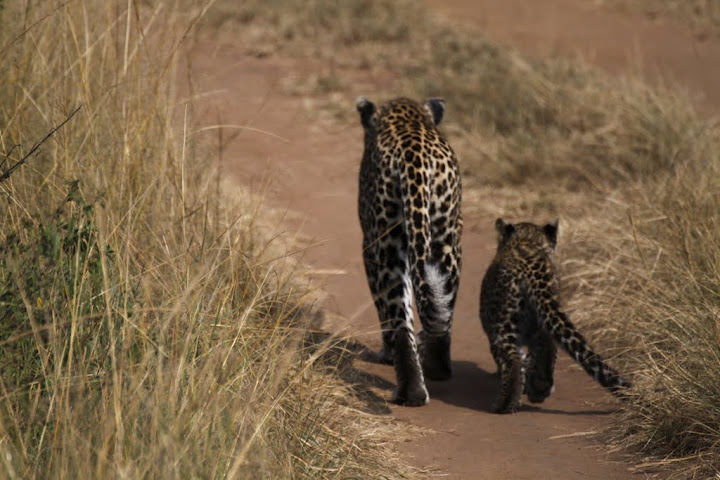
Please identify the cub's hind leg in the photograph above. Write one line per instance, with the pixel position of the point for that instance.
(540, 366)
(388, 274)
(509, 359)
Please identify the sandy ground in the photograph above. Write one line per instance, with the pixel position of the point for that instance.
(309, 168)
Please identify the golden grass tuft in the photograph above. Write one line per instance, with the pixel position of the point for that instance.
(146, 328)
(651, 263)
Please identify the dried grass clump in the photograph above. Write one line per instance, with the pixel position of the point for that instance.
(649, 285)
(146, 328)
(350, 33)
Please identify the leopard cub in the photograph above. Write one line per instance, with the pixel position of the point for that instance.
(519, 308)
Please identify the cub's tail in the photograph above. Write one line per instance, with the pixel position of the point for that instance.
(573, 342)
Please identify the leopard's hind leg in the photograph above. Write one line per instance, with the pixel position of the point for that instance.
(388, 275)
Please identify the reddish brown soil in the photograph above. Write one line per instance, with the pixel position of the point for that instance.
(312, 171)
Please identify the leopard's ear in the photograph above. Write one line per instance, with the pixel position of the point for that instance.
(366, 108)
(503, 230)
(436, 108)
(551, 230)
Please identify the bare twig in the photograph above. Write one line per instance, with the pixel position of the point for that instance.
(6, 174)
(7, 156)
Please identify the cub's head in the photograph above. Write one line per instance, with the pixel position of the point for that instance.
(540, 237)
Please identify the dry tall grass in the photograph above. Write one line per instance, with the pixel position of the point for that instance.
(146, 328)
(632, 170)
(651, 263)
(702, 15)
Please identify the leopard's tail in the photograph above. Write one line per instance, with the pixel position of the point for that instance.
(433, 286)
(429, 275)
(573, 342)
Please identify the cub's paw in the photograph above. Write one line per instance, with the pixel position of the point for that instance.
(503, 405)
(538, 389)
(512, 382)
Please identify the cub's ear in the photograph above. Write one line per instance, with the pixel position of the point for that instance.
(551, 230)
(503, 230)
(366, 109)
(436, 109)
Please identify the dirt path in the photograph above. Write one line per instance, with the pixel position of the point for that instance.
(312, 167)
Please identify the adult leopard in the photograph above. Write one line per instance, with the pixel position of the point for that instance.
(409, 208)
(519, 307)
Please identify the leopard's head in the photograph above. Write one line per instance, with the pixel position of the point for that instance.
(433, 109)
